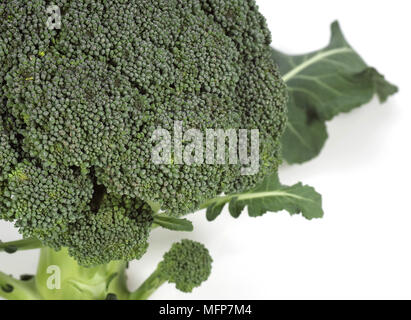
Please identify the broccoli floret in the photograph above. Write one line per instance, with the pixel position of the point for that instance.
(44, 202)
(187, 264)
(118, 231)
(8, 160)
(83, 101)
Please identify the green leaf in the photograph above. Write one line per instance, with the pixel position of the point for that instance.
(269, 196)
(304, 137)
(173, 223)
(322, 85)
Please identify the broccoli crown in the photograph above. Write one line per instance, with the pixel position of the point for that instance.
(187, 264)
(79, 105)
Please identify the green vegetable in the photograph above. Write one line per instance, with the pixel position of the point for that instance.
(76, 156)
(60, 277)
(187, 264)
(76, 170)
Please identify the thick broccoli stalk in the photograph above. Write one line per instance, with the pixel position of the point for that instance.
(60, 277)
(187, 264)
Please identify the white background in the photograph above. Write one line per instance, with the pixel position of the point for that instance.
(361, 249)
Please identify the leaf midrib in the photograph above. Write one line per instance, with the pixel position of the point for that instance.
(268, 194)
(313, 60)
(256, 195)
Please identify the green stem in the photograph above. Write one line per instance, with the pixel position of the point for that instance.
(220, 199)
(13, 289)
(155, 207)
(60, 277)
(148, 287)
(20, 245)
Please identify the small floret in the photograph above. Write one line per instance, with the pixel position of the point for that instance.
(187, 264)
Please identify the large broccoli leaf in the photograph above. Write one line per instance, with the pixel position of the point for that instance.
(322, 85)
(269, 196)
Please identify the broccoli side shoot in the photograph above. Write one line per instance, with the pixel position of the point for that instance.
(187, 264)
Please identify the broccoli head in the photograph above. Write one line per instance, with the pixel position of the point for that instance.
(79, 104)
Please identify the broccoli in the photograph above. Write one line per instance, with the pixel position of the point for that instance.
(187, 264)
(80, 103)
